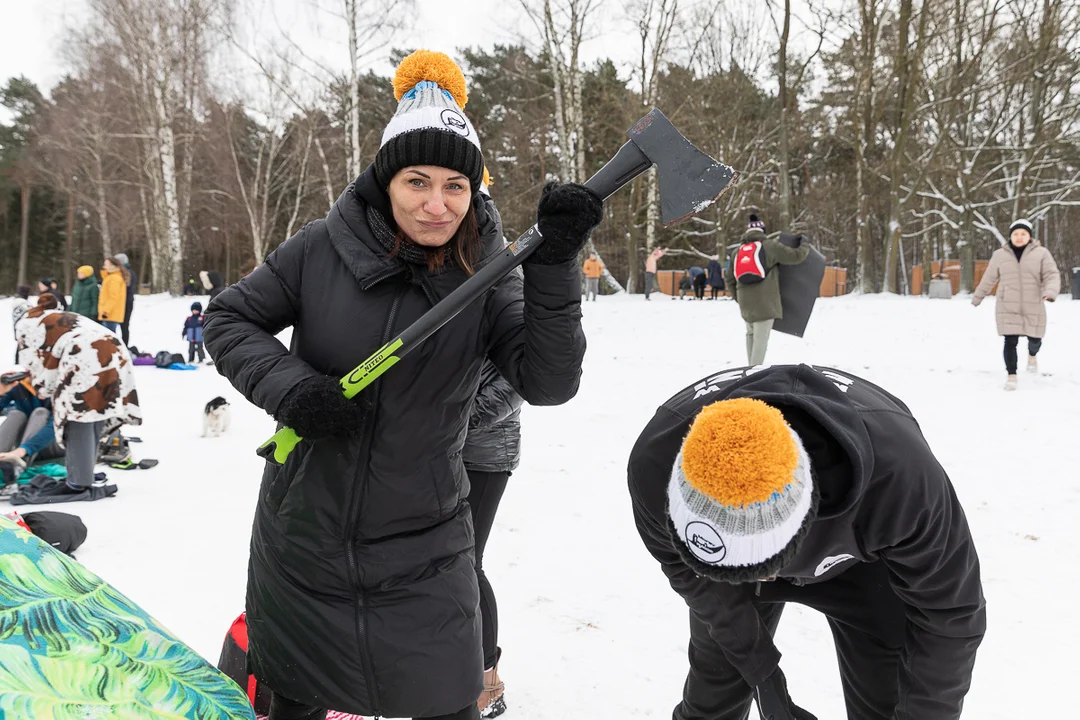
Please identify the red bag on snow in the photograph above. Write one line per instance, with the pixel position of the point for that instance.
(750, 263)
(233, 662)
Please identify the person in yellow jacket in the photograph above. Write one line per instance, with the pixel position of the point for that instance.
(113, 297)
(592, 268)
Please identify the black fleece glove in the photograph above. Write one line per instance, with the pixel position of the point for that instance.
(317, 409)
(775, 704)
(566, 214)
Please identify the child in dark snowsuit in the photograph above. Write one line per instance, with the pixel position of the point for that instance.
(193, 333)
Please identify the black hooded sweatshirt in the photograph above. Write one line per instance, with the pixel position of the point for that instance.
(362, 593)
(884, 497)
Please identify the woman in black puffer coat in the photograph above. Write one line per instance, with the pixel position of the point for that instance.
(362, 595)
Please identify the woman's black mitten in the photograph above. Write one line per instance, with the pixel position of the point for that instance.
(316, 409)
(566, 214)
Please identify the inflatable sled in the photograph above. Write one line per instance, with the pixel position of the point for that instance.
(233, 663)
(800, 286)
(74, 648)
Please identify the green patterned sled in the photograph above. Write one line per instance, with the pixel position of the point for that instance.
(73, 648)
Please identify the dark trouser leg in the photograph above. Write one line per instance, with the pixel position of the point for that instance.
(869, 624)
(81, 441)
(1034, 345)
(648, 283)
(1011, 341)
(190, 352)
(202, 353)
(468, 713)
(126, 325)
(714, 689)
(485, 493)
(11, 430)
(281, 708)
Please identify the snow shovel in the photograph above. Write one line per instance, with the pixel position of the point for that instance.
(690, 181)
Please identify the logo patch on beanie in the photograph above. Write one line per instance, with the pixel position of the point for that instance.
(704, 542)
(454, 120)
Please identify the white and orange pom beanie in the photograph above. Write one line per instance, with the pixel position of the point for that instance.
(741, 496)
(430, 126)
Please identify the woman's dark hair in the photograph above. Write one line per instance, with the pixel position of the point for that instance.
(463, 249)
(23, 291)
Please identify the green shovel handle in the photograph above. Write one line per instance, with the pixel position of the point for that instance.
(278, 448)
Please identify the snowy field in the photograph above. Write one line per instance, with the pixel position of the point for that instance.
(589, 626)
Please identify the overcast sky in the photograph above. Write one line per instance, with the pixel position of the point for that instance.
(32, 31)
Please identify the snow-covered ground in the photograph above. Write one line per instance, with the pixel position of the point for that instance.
(589, 626)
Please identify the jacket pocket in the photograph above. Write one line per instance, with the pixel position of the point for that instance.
(282, 477)
(447, 481)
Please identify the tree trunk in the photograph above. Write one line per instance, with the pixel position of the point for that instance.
(24, 229)
(328, 184)
(354, 92)
(102, 208)
(69, 239)
(652, 210)
(784, 161)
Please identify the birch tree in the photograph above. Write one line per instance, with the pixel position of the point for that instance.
(164, 45)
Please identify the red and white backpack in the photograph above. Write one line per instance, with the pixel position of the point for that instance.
(749, 263)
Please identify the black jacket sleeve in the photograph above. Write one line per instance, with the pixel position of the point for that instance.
(935, 571)
(536, 340)
(241, 322)
(495, 401)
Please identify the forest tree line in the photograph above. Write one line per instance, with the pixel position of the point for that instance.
(891, 132)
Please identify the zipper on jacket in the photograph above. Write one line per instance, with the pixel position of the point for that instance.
(350, 528)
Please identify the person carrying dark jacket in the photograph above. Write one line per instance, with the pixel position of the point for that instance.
(84, 296)
(362, 591)
(193, 333)
(492, 452)
(759, 302)
(132, 280)
(757, 487)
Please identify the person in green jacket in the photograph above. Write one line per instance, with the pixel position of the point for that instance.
(758, 293)
(84, 296)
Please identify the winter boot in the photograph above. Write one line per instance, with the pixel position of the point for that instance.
(492, 703)
(1033, 364)
(1010, 383)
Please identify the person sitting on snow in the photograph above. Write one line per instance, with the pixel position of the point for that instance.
(761, 486)
(26, 430)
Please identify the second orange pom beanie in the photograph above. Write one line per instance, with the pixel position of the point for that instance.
(741, 496)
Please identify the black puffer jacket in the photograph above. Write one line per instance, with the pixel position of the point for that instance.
(361, 591)
(884, 497)
(494, 440)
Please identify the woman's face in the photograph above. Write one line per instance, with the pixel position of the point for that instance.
(109, 267)
(429, 203)
(1020, 237)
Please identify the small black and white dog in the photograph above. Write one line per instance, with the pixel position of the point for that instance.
(216, 417)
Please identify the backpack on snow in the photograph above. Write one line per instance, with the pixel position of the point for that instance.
(165, 358)
(749, 264)
(114, 448)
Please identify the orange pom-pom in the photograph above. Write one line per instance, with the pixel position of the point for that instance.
(487, 177)
(434, 66)
(739, 452)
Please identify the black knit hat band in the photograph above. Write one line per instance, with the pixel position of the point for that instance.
(430, 146)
